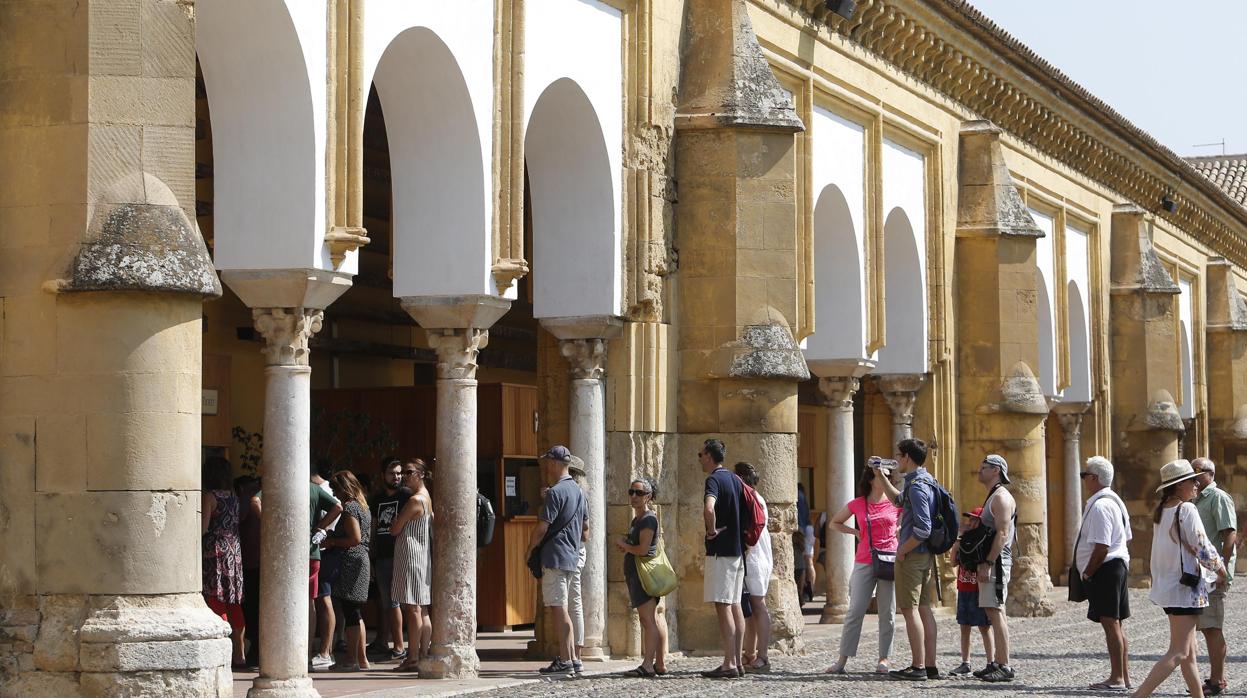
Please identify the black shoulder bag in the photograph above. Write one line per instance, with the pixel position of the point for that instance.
(882, 562)
(534, 558)
(1188, 579)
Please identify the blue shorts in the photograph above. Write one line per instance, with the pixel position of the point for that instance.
(968, 611)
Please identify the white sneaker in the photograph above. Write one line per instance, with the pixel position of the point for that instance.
(320, 663)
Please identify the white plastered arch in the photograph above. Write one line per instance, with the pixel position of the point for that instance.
(573, 113)
(838, 180)
(905, 261)
(1186, 345)
(840, 329)
(432, 66)
(905, 298)
(1079, 389)
(441, 228)
(259, 62)
(575, 239)
(1045, 316)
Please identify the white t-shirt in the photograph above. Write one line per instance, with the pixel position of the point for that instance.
(759, 561)
(1103, 523)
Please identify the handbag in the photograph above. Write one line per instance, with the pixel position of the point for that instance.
(882, 562)
(974, 546)
(1077, 592)
(658, 577)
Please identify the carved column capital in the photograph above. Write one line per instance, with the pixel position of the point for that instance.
(286, 332)
(457, 351)
(586, 356)
(900, 391)
(839, 391)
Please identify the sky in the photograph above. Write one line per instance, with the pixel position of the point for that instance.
(1177, 70)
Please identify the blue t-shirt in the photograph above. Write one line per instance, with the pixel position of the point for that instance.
(562, 551)
(803, 510)
(725, 488)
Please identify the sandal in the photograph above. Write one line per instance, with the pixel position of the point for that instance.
(1106, 686)
(639, 673)
(836, 668)
(408, 667)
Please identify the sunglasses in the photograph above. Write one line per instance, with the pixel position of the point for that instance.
(410, 472)
(1084, 476)
(637, 493)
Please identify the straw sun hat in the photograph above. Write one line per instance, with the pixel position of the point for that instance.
(1174, 472)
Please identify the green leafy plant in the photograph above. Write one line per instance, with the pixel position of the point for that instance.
(251, 449)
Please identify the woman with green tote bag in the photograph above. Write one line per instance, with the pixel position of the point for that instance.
(649, 577)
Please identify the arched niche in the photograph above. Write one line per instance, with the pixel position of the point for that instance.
(576, 258)
(905, 299)
(1046, 375)
(267, 147)
(1187, 408)
(1079, 389)
(441, 230)
(840, 321)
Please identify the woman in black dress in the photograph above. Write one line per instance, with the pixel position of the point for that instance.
(351, 589)
(642, 540)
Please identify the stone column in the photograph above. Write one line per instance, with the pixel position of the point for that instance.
(900, 391)
(582, 341)
(1226, 365)
(1001, 406)
(458, 328)
(1144, 363)
(1070, 415)
(838, 382)
(739, 364)
(287, 471)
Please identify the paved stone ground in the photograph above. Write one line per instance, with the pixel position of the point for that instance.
(1060, 656)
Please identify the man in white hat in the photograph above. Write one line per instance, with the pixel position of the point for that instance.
(999, 511)
(1103, 561)
(1216, 511)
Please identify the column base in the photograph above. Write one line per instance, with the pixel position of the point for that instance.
(595, 654)
(300, 687)
(451, 662)
(833, 614)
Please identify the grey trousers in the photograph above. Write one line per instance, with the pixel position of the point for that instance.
(861, 584)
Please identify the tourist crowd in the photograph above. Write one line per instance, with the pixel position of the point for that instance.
(903, 520)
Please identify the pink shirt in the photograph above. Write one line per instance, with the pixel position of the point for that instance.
(883, 519)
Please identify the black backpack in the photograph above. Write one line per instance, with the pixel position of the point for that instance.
(484, 521)
(945, 521)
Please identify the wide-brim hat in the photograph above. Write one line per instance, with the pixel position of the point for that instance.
(1173, 472)
(577, 467)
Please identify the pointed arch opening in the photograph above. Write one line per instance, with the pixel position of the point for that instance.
(840, 328)
(905, 299)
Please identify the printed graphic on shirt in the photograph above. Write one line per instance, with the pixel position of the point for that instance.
(386, 511)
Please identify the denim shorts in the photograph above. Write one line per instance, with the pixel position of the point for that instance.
(968, 610)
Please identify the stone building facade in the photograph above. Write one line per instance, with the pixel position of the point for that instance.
(807, 234)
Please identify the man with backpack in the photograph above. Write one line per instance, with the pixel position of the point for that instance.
(919, 499)
(724, 571)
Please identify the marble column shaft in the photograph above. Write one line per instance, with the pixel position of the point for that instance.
(588, 441)
(900, 391)
(284, 534)
(840, 549)
(453, 652)
(1071, 429)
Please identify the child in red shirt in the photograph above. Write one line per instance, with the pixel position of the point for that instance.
(969, 615)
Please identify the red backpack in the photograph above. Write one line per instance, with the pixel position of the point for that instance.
(752, 515)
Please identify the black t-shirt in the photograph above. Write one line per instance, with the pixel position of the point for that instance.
(384, 509)
(648, 520)
(725, 488)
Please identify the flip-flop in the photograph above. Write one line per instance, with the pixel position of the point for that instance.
(1106, 686)
(833, 669)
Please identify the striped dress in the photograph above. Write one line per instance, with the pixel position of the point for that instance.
(413, 564)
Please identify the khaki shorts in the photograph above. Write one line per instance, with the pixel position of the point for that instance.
(987, 587)
(555, 586)
(915, 580)
(1213, 616)
(724, 579)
